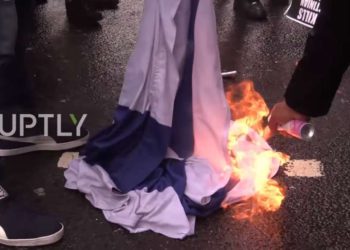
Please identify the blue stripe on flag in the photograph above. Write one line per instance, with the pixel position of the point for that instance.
(182, 140)
(131, 149)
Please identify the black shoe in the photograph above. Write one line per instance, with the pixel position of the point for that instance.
(36, 140)
(24, 228)
(280, 2)
(41, 2)
(105, 4)
(82, 12)
(252, 9)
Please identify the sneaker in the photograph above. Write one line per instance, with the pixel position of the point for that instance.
(81, 12)
(41, 2)
(280, 2)
(252, 9)
(24, 228)
(37, 141)
(105, 4)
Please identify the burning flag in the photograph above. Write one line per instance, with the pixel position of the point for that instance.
(172, 154)
(252, 160)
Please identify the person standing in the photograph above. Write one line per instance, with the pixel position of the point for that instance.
(20, 226)
(318, 75)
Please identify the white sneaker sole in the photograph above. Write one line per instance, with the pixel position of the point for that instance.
(41, 241)
(44, 147)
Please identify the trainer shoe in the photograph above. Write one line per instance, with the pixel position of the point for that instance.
(105, 4)
(21, 227)
(252, 9)
(81, 12)
(35, 140)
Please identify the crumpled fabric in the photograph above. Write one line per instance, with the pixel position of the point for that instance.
(164, 161)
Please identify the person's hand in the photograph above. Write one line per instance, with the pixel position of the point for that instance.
(281, 114)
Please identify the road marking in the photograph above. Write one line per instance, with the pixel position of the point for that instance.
(304, 168)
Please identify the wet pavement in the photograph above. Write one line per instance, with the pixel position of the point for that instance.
(80, 70)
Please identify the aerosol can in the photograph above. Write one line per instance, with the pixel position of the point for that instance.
(298, 129)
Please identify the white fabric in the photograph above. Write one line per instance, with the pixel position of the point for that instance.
(138, 210)
(157, 60)
(211, 114)
(248, 147)
(153, 62)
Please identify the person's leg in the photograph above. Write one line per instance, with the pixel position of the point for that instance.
(8, 29)
(15, 94)
(13, 87)
(8, 36)
(18, 226)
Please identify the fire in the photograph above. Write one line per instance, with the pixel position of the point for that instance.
(247, 106)
(249, 112)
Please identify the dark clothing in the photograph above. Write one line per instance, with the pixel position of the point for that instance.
(8, 29)
(326, 58)
(14, 90)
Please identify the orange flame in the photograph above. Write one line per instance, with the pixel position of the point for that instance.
(248, 112)
(247, 106)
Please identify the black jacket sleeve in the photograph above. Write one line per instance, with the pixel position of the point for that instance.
(326, 58)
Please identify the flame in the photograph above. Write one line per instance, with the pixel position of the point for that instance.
(247, 106)
(249, 112)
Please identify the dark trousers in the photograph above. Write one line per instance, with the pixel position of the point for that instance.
(8, 30)
(13, 86)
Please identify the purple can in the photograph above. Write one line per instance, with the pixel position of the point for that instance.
(299, 129)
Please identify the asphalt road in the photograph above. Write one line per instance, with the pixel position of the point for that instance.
(80, 70)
